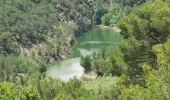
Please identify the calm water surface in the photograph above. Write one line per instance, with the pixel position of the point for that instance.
(92, 41)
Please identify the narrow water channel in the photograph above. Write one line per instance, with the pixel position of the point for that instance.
(92, 41)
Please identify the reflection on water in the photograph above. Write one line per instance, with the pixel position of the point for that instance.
(92, 41)
(95, 42)
(85, 52)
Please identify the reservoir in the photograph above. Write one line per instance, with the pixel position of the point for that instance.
(88, 43)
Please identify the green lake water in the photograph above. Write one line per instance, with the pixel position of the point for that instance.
(92, 41)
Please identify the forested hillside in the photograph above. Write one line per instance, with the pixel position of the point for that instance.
(141, 61)
(42, 28)
(36, 33)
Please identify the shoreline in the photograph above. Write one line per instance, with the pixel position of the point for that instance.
(91, 75)
(115, 28)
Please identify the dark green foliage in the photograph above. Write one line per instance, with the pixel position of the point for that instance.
(86, 63)
(31, 23)
(136, 53)
(8, 43)
(99, 11)
(106, 62)
(147, 61)
(79, 12)
(138, 68)
(149, 25)
(131, 2)
(28, 22)
(157, 81)
(12, 68)
(115, 12)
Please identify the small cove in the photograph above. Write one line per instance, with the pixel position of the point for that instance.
(90, 42)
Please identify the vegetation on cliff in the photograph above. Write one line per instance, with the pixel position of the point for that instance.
(33, 31)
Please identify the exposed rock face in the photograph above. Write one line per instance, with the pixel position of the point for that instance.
(64, 50)
(50, 60)
(41, 50)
